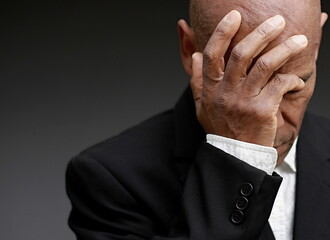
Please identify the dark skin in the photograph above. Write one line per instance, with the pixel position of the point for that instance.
(254, 77)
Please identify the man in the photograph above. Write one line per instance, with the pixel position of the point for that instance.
(250, 87)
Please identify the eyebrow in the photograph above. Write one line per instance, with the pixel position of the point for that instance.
(307, 76)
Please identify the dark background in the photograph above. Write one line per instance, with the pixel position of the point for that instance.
(74, 73)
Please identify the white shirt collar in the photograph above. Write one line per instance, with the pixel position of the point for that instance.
(290, 159)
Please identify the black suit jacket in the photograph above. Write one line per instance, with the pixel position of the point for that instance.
(160, 180)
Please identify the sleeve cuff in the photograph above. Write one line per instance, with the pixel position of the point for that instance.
(261, 157)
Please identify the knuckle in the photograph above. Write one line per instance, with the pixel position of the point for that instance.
(221, 33)
(279, 79)
(262, 32)
(287, 46)
(208, 55)
(264, 64)
(238, 54)
(276, 85)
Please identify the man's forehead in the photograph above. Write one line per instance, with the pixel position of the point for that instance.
(301, 16)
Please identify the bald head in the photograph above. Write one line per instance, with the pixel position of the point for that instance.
(302, 16)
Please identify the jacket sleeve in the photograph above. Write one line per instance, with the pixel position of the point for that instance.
(223, 198)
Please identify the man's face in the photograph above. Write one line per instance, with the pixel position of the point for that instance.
(302, 17)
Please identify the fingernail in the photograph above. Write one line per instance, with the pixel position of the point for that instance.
(195, 55)
(300, 39)
(277, 21)
(232, 16)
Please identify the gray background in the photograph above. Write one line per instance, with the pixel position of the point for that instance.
(74, 73)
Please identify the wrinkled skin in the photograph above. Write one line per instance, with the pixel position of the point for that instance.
(253, 74)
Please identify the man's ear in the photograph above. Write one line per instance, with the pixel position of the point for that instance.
(324, 18)
(187, 45)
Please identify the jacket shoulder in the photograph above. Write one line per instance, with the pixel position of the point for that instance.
(151, 138)
(141, 160)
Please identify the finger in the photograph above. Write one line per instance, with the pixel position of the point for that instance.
(280, 85)
(196, 81)
(251, 46)
(271, 61)
(217, 46)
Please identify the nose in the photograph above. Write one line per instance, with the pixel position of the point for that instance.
(280, 120)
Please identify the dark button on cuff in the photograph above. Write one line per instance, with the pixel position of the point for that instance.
(242, 203)
(237, 217)
(246, 189)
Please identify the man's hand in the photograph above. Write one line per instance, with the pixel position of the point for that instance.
(233, 101)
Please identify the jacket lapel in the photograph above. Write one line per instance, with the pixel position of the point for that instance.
(312, 214)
